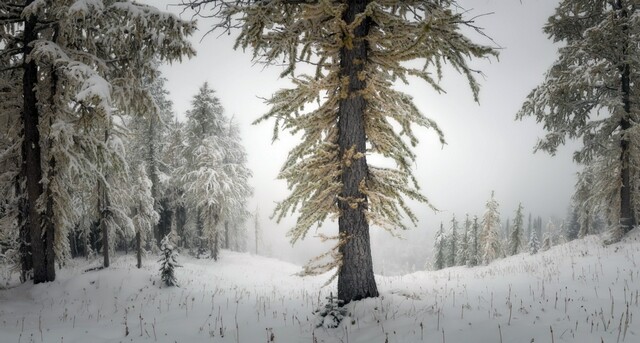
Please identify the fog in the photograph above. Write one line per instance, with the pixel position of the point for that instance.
(486, 148)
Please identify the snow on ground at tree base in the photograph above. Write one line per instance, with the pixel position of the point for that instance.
(583, 291)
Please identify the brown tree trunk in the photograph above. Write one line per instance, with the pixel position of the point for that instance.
(355, 278)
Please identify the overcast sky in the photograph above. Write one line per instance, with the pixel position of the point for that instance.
(486, 148)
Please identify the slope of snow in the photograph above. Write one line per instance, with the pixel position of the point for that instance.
(578, 292)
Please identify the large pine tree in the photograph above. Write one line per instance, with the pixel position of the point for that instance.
(347, 109)
(591, 92)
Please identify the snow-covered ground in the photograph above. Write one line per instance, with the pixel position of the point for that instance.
(578, 292)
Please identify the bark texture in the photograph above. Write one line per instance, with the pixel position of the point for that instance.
(627, 215)
(355, 278)
(40, 242)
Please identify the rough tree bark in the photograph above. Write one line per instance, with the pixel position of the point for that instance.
(627, 215)
(355, 277)
(103, 205)
(32, 161)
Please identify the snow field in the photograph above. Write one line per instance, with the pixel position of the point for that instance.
(578, 292)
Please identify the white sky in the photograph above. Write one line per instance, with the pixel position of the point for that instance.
(487, 150)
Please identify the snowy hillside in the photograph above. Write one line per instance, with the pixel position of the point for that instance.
(578, 292)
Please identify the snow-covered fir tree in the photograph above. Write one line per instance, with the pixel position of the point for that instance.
(439, 248)
(145, 216)
(358, 49)
(80, 60)
(168, 261)
(473, 252)
(516, 242)
(215, 176)
(452, 243)
(534, 243)
(148, 137)
(490, 247)
(590, 92)
(463, 247)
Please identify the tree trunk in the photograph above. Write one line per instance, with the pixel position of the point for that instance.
(627, 214)
(104, 228)
(139, 248)
(24, 234)
(355, 278)
(32, 161)
(226, 235)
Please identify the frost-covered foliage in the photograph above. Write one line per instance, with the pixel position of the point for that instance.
(473, 252)
(168, 262)
(439, 249)
(490, 248)
(215, 176)
(314, 33)
(91, 58)
(145, 216)
(591, 92)
(452, 243)
(463, 248)
(332, 313)
(516, 242)
(534, 243)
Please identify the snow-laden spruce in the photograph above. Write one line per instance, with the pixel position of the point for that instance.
(490, 247)
(82, 64)
(215, 177)
(591, 92)
(168, 261)
(345, 109)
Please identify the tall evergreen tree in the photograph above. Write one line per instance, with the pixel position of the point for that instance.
(463, 247)
(144, 216)
(490, 239)
(591, 92)
(439, 248)
(359, 49)
(453, 243)
(516, 242)
(534, 243)
(215, 176)
(473, 255)
(79, 61)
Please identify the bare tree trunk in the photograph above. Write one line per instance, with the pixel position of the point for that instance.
(32, 161)
(355, 278)
(226, 235)
(103, 204)
(139, 248)
(627, 215)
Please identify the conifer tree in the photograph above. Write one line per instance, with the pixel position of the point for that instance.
(516, 242)
(168, 262)
(440, 247)
(215, 176)
(591, 93)
(463, 247)
(534, 244)
(144, 216)
(473, 253)
(453, 243)
(490, 240)
(79, 60)
(359, 48)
